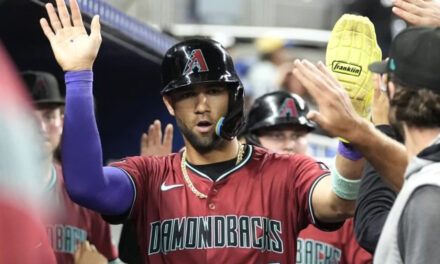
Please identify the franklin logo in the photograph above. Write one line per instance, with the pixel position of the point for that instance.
(196, 61)
(346, 68)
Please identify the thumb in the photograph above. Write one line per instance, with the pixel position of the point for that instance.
(95, 28)
(315, 116)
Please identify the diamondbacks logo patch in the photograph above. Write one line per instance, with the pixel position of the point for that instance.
(288, 108)
(346, 68)
(195, 61)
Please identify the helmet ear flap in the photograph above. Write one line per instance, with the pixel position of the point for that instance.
(229, 126)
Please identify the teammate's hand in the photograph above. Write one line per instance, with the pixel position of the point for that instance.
(336, 113)
(152, 144)
(418, 12)
(88, 254)
(381, 104)
(73, 48)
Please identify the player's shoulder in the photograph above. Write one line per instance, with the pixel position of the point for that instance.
(268, 160)
(262, 154)
(147, 160)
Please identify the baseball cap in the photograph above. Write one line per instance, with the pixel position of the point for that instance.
(43, 87)
(414, 58)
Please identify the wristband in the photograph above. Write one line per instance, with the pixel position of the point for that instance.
(348, 151)
(344, 188)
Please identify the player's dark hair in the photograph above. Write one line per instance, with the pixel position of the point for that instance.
(416, 106)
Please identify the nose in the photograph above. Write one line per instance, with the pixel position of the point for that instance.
(289, 145)
(202, 103)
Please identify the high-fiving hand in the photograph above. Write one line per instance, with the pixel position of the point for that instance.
(73, 48)
(336, 113)
(152, 144)
(418, 12)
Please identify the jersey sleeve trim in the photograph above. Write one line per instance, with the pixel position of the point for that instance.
(52, 181)
(115, 261)
(312, 188)
(135, 190)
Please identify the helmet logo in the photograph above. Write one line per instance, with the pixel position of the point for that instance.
(196, 60)
(288, 108)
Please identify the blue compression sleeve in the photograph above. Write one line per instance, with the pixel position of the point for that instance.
(107, 190)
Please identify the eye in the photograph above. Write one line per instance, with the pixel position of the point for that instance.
(48, 115)
(277, 136)
(215, 90)
(185, 95)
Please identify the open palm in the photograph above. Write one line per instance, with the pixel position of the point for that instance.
(73, 48)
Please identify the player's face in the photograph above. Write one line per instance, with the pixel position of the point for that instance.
(50, 122)
(197, 111)
(284, 140)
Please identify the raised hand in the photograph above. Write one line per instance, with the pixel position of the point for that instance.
(152, 144)
(73, 48)
(336, 113)
(381, 104)
(418, 12)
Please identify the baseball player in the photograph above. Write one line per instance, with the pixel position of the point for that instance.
(219, 201)
(71, 224)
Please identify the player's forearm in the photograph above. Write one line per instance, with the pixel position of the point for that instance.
(328, 207)
(107, 190)
(388, 156)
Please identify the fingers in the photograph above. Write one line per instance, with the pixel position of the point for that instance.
(312, 79)
(151, 136)
(53, 17)
(63, 13)
(168, 138)
(328, 74)
(316, 117)
(76, 14)
(298, 71)
(95, 28)
(47, 29)
(158, 132)
(144, 144)
(376, 85)
(86, 245)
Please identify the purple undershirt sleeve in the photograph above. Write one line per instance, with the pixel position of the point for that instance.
(107, 190)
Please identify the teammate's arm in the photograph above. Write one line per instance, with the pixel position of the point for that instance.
(329, 207)
(375, 197)
(106, 190)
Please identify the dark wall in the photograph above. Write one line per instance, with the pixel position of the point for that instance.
(126, 84)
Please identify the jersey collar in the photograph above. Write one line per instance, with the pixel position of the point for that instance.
(227, 173)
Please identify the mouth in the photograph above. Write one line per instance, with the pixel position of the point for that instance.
(204, 126)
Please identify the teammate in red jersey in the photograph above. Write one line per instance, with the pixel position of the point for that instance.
(70, 224)
(218, 201)
(277, 121)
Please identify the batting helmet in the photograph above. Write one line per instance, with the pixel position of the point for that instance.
(199, 61)
(275, 109)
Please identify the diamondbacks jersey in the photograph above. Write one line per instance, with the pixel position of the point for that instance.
(72, 224)
(253, 212)
(23, 238)
(340, 246)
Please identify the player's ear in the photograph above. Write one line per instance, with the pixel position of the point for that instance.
(168, 104)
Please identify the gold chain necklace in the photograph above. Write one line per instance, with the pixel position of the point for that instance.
(188, 180)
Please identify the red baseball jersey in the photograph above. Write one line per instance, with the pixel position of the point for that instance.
(340, 246)
(72, 224)
(23, 238)
(253, 212)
